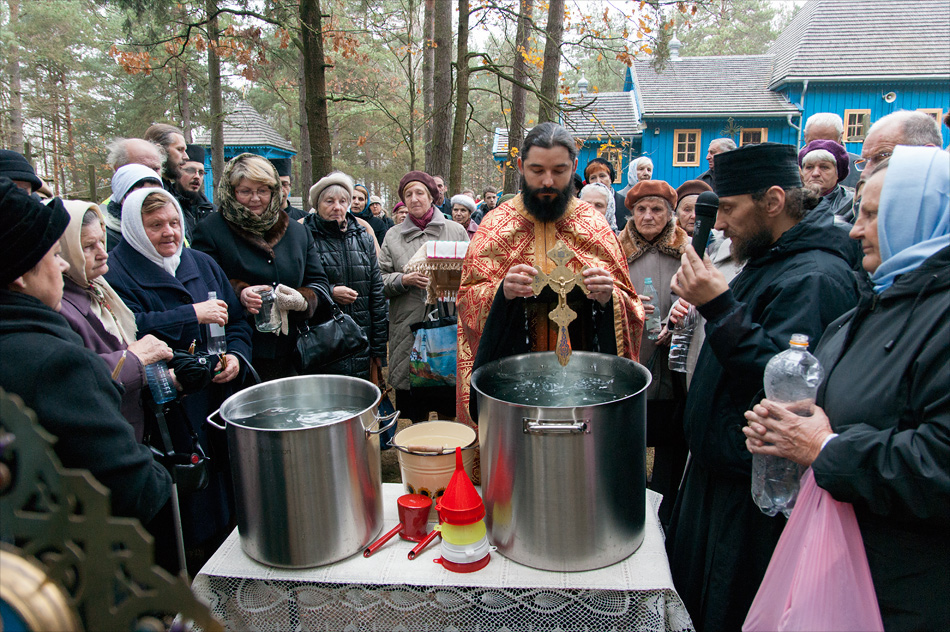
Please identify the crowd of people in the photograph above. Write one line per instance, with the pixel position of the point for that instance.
(853, 251)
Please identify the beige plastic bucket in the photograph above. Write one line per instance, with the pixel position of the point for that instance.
(427, 455)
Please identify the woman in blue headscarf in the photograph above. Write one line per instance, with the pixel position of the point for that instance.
(879, 437)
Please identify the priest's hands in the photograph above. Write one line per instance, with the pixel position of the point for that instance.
(517, 283)
(697, 281)
(600, 284)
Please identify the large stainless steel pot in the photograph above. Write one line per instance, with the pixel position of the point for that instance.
(306, 496)
(564, 486)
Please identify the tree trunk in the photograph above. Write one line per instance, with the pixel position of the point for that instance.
(306, 160)
(442, 92)
(428, 69)
(411, 79)
(519, 72)
(184, 106)
(67, 116)
(311, 26)
(461, 100)
(547, 111)
(15, 118)
(214, 90)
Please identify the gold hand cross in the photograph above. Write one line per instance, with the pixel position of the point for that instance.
(562, 280)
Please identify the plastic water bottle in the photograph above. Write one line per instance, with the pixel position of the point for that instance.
(791, 378)
(217, 343)
(160, 382)
(679, 343)
(654, 324)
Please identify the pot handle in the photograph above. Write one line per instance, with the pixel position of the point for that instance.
(546, 426)
(212, 416)
(392, 418)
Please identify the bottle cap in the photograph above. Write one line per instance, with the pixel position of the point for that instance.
(799, 340)
(648, 280)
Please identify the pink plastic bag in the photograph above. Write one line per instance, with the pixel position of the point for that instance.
(818, 578)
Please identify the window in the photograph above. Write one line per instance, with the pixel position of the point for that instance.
(934, 113)
(856, 124)
(686, 147)
(614, 156)
(753, 135)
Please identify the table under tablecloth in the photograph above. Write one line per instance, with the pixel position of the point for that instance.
(389, 592)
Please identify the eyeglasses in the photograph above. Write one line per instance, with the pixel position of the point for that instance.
(250, 193)
(864, 163)
(193, 170)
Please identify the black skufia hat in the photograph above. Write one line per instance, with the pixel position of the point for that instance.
(196, 153)
(755, 168)
(282, 165)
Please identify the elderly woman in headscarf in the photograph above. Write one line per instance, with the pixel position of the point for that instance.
(348, 254)
(601, 197)
(168, 289)
(127, 178)
(653, 243)
(824, 164)
(259, 248)
(95, 312)
(407, 291)
(640, 169)
(879, 436)
(462, 208)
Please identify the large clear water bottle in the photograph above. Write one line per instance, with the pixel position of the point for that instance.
(791, 378)
(654, 324)
(217, 343)
(679, 343)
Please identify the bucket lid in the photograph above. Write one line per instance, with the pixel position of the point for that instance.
(460, 504)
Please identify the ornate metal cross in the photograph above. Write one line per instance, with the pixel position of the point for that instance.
(562, 280)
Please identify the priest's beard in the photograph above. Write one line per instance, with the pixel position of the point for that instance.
(546, 211)
(755, 243)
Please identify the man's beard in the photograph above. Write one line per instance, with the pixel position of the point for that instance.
(171, 171)
(192, 196)
(546, 211)
(756, 243)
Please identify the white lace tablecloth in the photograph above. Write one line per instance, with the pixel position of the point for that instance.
(388, 592)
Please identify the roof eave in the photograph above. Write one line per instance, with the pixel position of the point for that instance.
(855, 79)
(725, 113)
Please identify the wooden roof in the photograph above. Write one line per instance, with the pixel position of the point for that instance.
(245, 127)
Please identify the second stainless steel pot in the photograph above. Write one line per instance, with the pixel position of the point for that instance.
(564, 486)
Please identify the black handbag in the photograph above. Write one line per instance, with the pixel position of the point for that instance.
(320, 344)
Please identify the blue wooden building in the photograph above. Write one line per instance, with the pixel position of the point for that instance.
(860, 60)
(245, 130)
(604, 125)
(863, 60)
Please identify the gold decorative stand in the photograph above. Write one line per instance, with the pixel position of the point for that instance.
(67, 563)
(562, 280)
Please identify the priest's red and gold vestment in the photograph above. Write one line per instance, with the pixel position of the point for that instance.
(510, 235)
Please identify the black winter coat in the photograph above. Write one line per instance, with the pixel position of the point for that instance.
(378, 225)
(720, 542)
(285, 255)
(349, 258)
(74, 397)
(887, 394)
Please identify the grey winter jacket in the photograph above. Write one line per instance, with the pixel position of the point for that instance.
(407, 304)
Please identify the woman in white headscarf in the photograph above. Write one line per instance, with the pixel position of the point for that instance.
(98, 315)
(601, 197)
(167, 287)
(879, 437)
(127, 178)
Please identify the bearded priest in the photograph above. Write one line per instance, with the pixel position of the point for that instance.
(498, 313)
